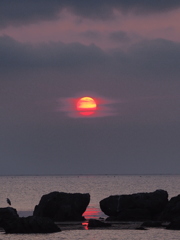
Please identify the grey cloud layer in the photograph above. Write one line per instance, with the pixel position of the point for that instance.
(22, 12)
(148, 58)
(15, 55)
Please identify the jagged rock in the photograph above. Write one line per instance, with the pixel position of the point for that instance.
(12, 223)
(135, 207)
(172, 210)
(94, 223)
(60, 206)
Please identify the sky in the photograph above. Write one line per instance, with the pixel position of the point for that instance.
(125, 54)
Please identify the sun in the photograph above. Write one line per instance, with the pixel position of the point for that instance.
(86, 106)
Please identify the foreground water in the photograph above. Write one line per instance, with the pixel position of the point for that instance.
(26, 191)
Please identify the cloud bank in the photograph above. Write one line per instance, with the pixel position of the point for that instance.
(22, 12)
(157, 58)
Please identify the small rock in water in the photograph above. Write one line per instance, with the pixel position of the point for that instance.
(140, 228)
(152, 224)
(94, 223)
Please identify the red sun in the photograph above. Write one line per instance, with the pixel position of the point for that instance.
(86, 106)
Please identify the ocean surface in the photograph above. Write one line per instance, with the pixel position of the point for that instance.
(25, 192)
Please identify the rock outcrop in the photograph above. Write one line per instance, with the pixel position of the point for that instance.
(172, 210)
(174, 224)
(60, 206)
(12, 223)
(135, 207)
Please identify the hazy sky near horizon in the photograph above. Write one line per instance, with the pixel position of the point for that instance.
(124, 53)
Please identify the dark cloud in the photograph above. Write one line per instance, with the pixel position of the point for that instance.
(15, 55)
(156, 58)
(22, 12)
(25, 12)
(104, 8)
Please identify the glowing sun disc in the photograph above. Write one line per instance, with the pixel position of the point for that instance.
(86, 106)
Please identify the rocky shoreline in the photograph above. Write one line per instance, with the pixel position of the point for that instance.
(58, 211)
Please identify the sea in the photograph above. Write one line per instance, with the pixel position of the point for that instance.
(25, 193)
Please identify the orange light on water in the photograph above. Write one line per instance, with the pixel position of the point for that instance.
(86, 106)
(90, 212)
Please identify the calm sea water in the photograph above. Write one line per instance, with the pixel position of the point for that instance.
(26, 191)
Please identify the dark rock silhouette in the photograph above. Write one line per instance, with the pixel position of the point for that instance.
(12, 223)
(61, 206)
(174, 224)
(135, 207)
(172, 210)
(8, 212)
(152, 224)
(94, 223)
(140, 228)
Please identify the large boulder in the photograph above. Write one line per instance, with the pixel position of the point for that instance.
(135, 207)
(60, 206)
(8, 216)
(172, 210)
(8, 213)
(12, 223)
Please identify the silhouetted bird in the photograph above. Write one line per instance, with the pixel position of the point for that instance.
(8, 201)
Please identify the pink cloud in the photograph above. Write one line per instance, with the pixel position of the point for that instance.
(70, 28)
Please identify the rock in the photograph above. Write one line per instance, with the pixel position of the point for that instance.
(172, 210)
(94, 223)
(8, 216)
(140, 228)
(12, 223)
(135, 207)
(60, 206)
(131, 215)
(152, 224)
(9, 213)
(33, 224)
(174, 225)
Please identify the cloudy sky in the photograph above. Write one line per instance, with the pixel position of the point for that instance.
(123, 53)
